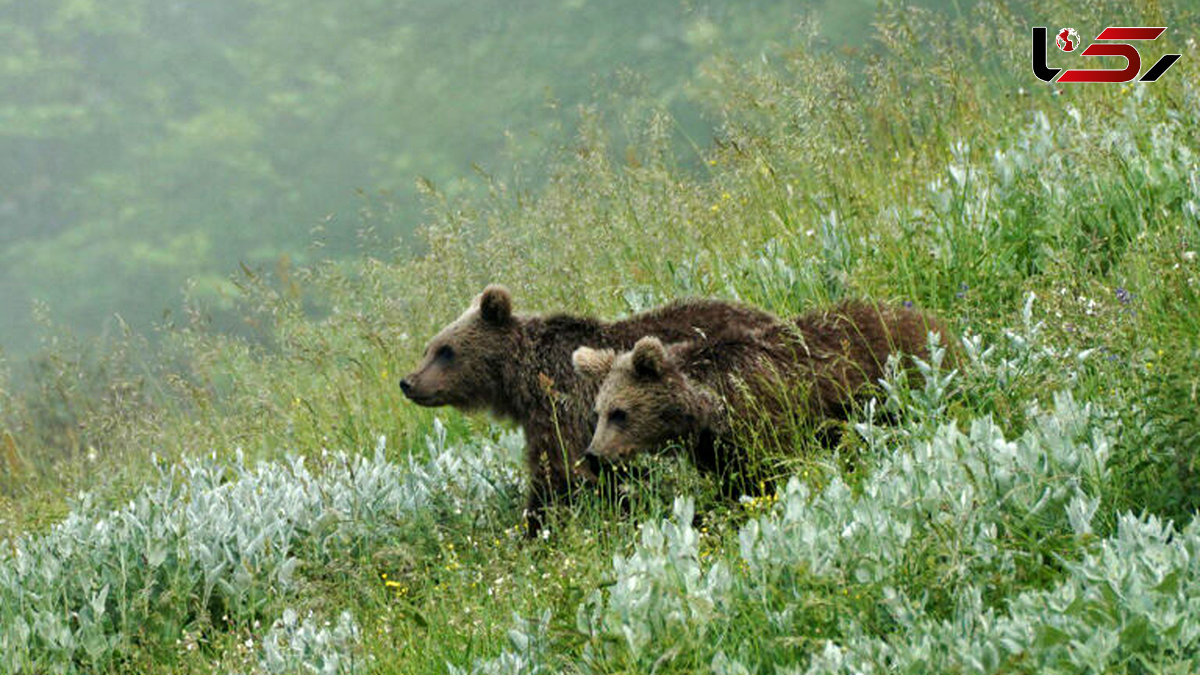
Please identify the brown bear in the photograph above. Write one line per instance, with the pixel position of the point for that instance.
(519, 368)
(711, 392)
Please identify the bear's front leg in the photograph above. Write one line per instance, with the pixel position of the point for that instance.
(547, 463)
(546, 486)
(535, 509)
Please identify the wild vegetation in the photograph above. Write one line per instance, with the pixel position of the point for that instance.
(145, 145)
(268, 502)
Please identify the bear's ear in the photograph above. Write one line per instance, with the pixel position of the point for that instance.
(593, 362)
(495, 305)
(649, 357)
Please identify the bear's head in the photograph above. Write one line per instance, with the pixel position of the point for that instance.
(463, 365)
(644, 401)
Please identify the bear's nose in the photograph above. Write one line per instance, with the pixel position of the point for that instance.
(406, 387)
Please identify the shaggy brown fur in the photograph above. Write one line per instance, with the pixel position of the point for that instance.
(519, 368)
(767, 381)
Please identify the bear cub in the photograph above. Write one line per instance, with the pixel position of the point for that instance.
(518, 367)
(760, 384)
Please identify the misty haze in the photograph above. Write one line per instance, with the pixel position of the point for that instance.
(453, 337)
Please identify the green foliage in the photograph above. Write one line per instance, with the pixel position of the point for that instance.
(1119, 609)
(144, 145)
(1025, 507)
(295, 645)
(211, 546)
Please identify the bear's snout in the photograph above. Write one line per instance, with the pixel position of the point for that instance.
(415, 392)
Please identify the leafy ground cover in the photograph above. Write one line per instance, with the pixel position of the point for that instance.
(1028, 509)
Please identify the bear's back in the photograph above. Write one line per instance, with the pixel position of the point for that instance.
(833, 352)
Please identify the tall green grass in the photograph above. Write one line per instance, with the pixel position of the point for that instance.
(1009, 508)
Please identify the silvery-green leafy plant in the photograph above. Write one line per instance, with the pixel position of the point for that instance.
(295, 645)
(1130, 604)
(219, 541)
(972, 499)
(662, 593)
(525, 654)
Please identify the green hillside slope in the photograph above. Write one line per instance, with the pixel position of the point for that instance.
(269, 503)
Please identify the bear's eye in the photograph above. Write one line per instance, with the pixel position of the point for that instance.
(445, 353)
(617, 416)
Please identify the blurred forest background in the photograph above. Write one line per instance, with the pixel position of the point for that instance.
(282, 201)
(150, 148)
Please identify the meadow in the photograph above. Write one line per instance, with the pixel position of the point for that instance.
(269, 502)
